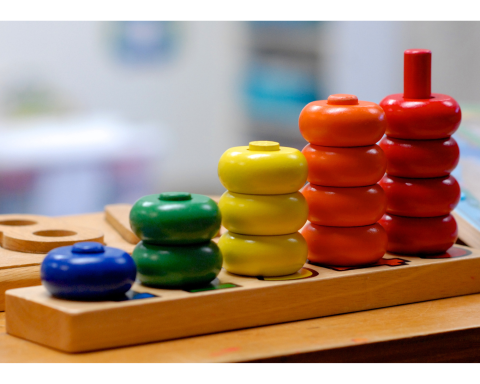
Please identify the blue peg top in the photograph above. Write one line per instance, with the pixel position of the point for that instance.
(88, 247)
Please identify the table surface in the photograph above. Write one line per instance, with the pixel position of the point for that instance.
(446, 330)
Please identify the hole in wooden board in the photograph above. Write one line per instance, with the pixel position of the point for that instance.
(54, 233)
(17, 223)
(133, 295)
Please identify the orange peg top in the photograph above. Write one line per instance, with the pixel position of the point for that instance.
(342, 99)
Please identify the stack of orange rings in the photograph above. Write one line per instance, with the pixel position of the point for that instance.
(344, 200)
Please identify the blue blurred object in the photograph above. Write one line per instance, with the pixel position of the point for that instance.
(277, 95)
(144, 42)
(282, 74)
(88, 271)
(283, 24)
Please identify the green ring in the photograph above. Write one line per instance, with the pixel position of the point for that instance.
(177, 266)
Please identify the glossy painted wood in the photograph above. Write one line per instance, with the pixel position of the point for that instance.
(262, 209)
(342, 121)
(88, 271)
(262, 168)
(175, 218)
(173, 266)
(249, 255)
(117, 215)
(263, 215)
(345, 167)
(345, 207)
(419, 235)
(420, 158)
(417, 69)
(345, 246)
(420, 197)
(421, 119)
(418, 204)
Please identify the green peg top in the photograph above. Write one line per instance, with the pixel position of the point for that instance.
(175, 196)
(175, 218)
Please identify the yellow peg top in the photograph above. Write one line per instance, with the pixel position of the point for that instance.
(263, 146)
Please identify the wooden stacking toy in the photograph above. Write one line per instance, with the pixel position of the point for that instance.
(262, 209)
(176, 229)
(420, 156)
(230, 302)
(344, 165)
(87, 271)
(93, 302)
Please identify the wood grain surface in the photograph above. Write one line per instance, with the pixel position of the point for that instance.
(16, 278)
(446, 330)
(111, 227)
(117, 215)
(468, 233)
(74, 326)
(40, 234)
(21, 269)
(97, 221)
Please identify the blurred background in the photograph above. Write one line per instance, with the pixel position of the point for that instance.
(95, 113)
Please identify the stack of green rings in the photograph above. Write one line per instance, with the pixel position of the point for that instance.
(176, 229)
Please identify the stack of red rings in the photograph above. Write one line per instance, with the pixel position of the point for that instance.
(420, 191)
(344, 165)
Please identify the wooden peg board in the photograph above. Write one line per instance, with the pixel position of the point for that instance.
(467, 215)
(21, 252)
(21, 268)
(244, 302)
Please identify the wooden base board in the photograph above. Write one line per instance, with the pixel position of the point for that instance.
(442, 331)
(15, 271)
(20, 269)
(72, 326)
(467, 215)
(11, 278)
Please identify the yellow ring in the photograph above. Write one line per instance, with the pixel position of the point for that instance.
(263, 255)
(263, 214)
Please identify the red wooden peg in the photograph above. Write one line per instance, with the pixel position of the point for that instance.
(417, 74)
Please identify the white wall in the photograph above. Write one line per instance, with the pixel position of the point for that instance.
(366, 58)
(455, 55)
(362, 58)
(195, 95)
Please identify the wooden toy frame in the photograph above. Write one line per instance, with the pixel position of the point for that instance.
(22, 269)
(243, 302)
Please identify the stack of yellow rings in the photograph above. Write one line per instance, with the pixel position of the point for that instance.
(263, 210)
